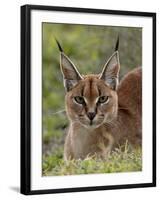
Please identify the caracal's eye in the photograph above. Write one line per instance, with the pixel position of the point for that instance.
(103, 99)
(79, 99)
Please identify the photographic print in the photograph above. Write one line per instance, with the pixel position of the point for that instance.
(88, 99)
(93, 120)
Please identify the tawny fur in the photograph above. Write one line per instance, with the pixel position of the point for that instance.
(116, 121)
(81, 142)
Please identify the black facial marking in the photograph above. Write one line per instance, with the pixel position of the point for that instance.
(99, 92)
(82, 91)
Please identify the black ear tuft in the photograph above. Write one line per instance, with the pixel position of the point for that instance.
(117, 44)
(59, 46)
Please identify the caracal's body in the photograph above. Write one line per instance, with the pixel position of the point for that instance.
(102, 113)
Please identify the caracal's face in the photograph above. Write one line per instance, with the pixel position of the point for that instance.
(91, 102)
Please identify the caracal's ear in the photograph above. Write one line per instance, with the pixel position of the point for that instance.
(110, 72)
(71, 76)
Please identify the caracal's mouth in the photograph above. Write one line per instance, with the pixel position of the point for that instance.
(91, 124)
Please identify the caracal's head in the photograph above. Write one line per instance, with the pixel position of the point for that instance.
(91, 100)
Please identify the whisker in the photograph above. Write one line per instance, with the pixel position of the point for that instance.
(58, 112)
(110, 123)
(73, 122)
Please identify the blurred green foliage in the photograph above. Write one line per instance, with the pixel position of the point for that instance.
(88, 47)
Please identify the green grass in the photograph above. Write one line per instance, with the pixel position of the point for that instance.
(124, 159)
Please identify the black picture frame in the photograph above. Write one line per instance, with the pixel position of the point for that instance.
(26, 98)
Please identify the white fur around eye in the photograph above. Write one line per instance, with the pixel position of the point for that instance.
(97, 99)
(77, 102)
(106, 101)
